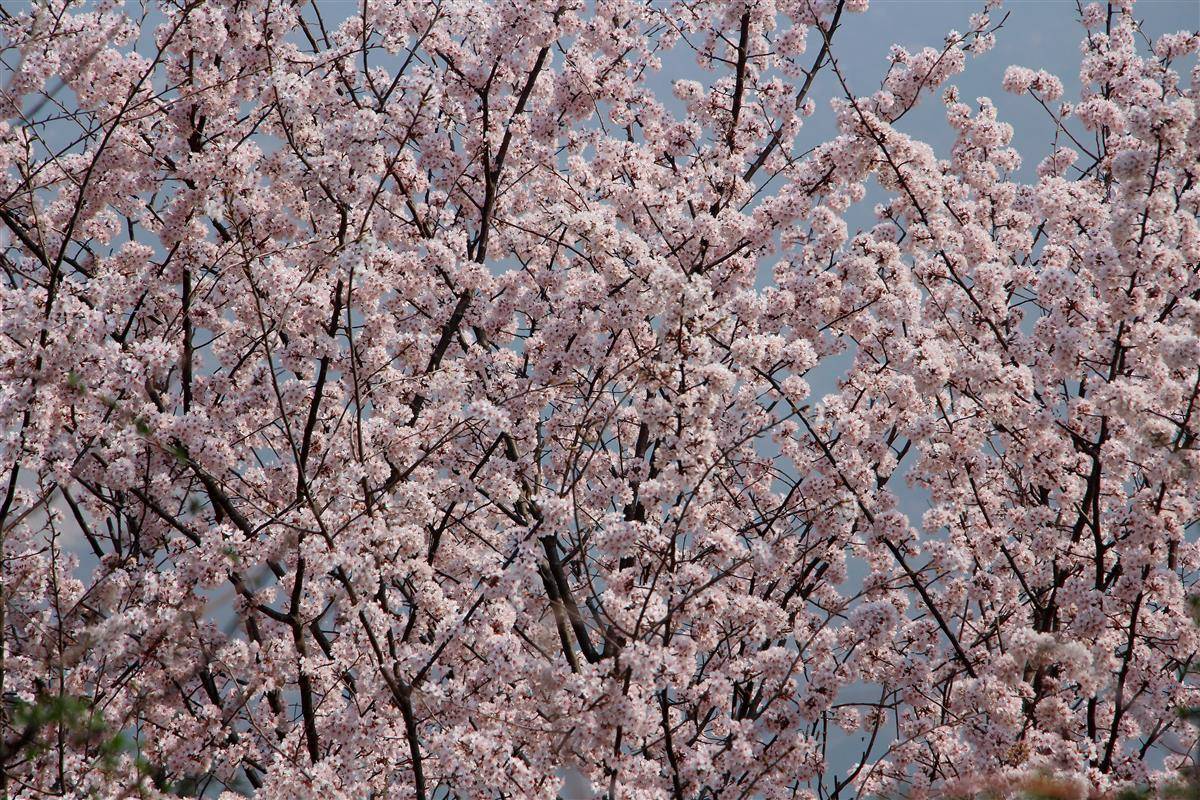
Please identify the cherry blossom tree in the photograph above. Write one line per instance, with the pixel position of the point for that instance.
(405, 399)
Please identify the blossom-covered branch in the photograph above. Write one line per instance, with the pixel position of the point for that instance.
(406, 399)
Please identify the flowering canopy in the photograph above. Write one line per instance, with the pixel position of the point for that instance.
(414, 403)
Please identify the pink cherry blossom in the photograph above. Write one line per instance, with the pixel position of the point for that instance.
(428, 400)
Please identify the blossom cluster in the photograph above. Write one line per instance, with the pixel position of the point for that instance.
(407, 400)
